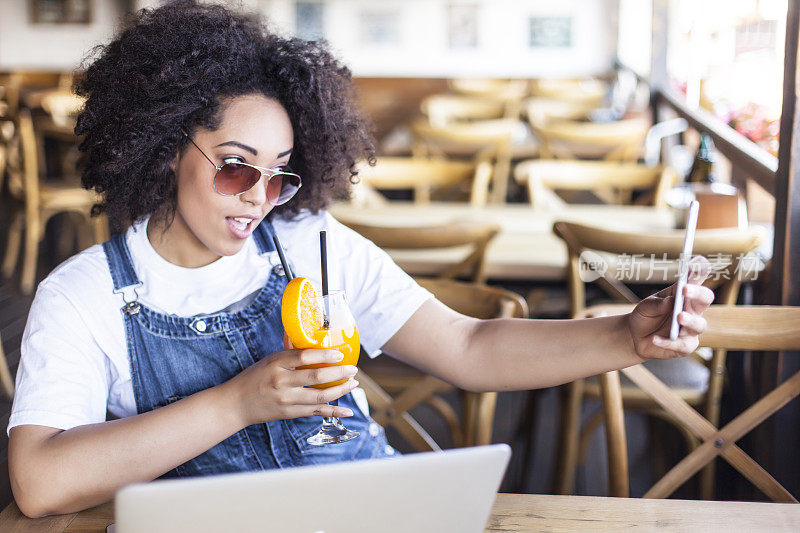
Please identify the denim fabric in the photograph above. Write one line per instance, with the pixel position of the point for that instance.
(173, 357)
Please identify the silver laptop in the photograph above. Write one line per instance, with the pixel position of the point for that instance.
(452, 490)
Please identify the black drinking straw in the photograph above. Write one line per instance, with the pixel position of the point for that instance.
(323, 252)
(326, 313)
(286, 270)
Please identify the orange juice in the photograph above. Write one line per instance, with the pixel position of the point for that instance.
(344, 340)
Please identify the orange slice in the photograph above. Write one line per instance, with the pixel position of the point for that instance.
(301, 315)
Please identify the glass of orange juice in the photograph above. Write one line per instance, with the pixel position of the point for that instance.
(339, 333)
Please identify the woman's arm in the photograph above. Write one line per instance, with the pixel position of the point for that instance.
(54, 471)
(516, 354)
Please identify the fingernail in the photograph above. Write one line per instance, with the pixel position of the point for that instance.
(353, 384)
(346, 412)
(351, 370)
(658, 341)
(336, 355)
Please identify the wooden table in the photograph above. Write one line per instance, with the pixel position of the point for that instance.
(532, 512)
(526, 248)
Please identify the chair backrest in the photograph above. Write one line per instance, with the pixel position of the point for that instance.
(618, 178)
(484, 139)
(727, 246)
(621, 140)
(751, 327)
(478, 301)
(540, 111)
(424, 174)
(480, 134)
(443, 109)
(759, 328)
(493, 88)
(589, 91)
(455, 234)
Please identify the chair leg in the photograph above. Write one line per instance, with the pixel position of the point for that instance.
(470, 415)
(12, 246)
(5, 374)
(568, 447)
(483, 429)
(32, 236)
(614, 419)
(711, 412)
(707, 481)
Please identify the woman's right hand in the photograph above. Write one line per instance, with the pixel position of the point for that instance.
(274, 388)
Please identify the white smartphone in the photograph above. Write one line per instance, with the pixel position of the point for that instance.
(683, 267)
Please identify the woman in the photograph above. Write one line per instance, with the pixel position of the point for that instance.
(174, 326)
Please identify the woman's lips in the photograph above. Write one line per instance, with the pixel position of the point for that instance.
(239, 228)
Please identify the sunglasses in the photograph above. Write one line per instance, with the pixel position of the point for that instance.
(233, 179)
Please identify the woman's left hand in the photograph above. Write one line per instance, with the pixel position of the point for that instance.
(649, 322)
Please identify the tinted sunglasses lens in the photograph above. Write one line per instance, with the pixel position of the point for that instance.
(234, 178)
(282, 187)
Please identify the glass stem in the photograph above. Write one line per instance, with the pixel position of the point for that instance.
(331, 423)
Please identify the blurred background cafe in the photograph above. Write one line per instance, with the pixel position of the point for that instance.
(535, 159)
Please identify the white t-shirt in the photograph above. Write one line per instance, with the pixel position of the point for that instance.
(74, 361)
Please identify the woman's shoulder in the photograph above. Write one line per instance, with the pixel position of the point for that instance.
(80, 277)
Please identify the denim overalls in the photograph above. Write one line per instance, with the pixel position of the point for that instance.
(172, 357)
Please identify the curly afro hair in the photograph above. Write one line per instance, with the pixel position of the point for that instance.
(172, 68)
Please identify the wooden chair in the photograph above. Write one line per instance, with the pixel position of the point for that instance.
(3, 156)
(25, 88)
(10, 89)
(762, 328)
(588, 91)
(484, 140)
(621, 140)
(493, 88)
(393, 388)
(7, 130)
(6, 380)
(424, 175)
(444, 109)
(540, 111)
(7, 112)
(474, 235)
(37, 202)
(696, 380)
(613, 182)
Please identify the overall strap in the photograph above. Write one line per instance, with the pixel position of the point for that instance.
(263, 237)
(120, 263)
